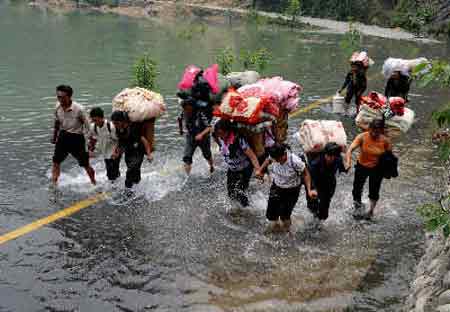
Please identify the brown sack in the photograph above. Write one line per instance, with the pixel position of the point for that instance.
(148, 131)
(281, 127)
(255, 140)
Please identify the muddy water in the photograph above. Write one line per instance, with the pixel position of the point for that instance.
(174, 247)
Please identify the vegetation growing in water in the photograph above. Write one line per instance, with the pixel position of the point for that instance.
(255, 60)
(352, 39)
(294, 10)
(248, 59)
(145, 72)
(225, 59)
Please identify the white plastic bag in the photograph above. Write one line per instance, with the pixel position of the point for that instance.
(338, 104)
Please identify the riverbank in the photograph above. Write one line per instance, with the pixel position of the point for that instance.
(430, 291)
(174, 9)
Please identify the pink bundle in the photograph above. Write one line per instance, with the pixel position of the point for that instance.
(361, 57)
(285, 93)
(210, 75)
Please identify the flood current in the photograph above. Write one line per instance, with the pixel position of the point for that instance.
(175, 247)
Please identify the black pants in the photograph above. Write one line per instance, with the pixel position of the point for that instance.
(321, 205)
(281, 202)
(71, 143)
(237, 184)
(112, 168)
(353, 92)
(191, 146)
(133, 159)
(361, 175)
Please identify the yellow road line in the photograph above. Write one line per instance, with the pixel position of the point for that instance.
(102, 196)
(310, 106)
(51, 218)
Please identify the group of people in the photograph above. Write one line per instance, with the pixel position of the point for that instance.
(288, 171)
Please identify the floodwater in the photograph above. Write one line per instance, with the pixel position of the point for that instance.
(175, 247)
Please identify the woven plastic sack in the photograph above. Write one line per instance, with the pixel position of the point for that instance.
(315, 134)
(239, 79)
(140, 104)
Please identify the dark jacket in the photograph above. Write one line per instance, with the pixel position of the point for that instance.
(323, 174)
(398, 87)
(388, 165)
(356, 84)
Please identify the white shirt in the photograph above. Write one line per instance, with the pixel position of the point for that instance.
(106, 140)
(290, 173)
(71, 120)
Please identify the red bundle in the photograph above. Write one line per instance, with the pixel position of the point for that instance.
(397, 105)
(374, 100)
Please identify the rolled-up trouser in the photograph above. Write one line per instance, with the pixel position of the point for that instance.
(112, 168)
(281, 202)
(237, 184)
(321, 205)
(133, 159)
(191, 146)
(361, 175)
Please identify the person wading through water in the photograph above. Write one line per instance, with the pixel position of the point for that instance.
(133, 144)
(288, 171)
(68, 135)
(355, 83)
(240, 160)
(372, 144)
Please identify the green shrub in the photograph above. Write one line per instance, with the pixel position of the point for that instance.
(145, 72)
(225, 59)
(255, 60)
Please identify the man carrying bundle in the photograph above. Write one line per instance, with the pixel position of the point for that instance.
(198, 125)
(133, 144)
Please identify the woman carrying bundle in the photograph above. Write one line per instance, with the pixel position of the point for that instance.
(372, 144)
(240, 160)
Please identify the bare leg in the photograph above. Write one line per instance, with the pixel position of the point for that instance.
(91, 173)
(286, 224)
(373, 204)
(56, 171)
(211, 165)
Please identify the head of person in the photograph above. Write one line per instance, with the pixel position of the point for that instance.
(331, 152)
(120, 120)
(396, 75)
(64, 95)
(223, 128)
(97, 116)
(355, 67)
(278, 152)
(376, 128)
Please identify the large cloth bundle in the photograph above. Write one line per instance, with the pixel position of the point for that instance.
(284, 92)
(210, 74)
(393, 126)
(248, 110)
(315, 134)
(140, 104)
(361, 57)
(405, 67)
(239, 79)
(374, 100)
